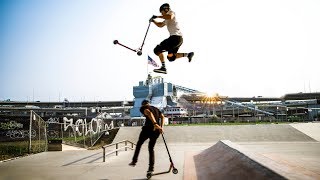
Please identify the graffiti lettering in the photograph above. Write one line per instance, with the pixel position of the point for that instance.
(53, 120)
(82, 127)
(98, 125)
(111, 126)
(69, 121)
(11, 125)
(53, 134)
(20, 134)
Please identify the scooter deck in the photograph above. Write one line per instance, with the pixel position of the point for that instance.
(174, 171)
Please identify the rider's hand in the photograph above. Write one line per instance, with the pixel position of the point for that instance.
(152, 18)
(156, 126)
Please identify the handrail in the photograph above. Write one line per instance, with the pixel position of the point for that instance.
(117, 148)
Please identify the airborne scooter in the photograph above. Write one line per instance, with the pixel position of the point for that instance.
(139, 50)
(174, 170)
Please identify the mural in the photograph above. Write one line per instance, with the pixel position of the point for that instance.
(17, 129)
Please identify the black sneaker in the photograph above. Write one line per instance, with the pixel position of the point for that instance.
(150, 170)
(190, 55)
(161, 70)
(133, 164)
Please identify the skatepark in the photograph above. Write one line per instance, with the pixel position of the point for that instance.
(270, 151)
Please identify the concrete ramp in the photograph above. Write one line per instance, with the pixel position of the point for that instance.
(128, 133)
(227, 160)
(310, 129)
(210, 134)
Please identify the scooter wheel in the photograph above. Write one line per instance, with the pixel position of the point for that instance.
(139, 53)
(175, 171)
(115, 42)
(149, 175)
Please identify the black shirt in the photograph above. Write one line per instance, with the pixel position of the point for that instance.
(156, 113)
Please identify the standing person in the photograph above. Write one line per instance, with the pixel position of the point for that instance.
(171, 44)
(151, 130)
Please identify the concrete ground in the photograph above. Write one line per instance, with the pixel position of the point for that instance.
(291, 147)
(66, 147)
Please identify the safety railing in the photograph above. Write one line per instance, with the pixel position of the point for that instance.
(125, 147)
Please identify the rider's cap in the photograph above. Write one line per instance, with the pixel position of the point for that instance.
(145, 102)
(164, 6)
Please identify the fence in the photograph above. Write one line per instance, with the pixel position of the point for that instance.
(19, 136)
(79, 132)
(38, 141)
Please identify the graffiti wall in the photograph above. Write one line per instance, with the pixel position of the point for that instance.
(15, 129)
(62, 127)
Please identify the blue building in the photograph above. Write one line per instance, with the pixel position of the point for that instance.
(159, 93)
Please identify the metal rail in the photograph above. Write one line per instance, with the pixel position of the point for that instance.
(117, 148)
(239, 104)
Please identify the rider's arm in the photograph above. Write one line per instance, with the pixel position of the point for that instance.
(167, 16)
(149, 114)
(159, 24)
(162, 119)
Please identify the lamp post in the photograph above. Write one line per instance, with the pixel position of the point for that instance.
(277, 112)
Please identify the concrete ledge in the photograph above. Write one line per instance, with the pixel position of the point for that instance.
(54, 147)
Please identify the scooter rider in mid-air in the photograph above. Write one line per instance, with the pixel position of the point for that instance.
(171, 44)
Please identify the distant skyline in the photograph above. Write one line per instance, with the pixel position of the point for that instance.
(51, 50)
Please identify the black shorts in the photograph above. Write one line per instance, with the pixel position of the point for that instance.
(172, 44)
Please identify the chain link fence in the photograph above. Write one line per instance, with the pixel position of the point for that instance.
(19, 137)
(38, 141)
(81, 132)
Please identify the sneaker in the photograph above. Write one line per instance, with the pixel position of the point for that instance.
(150, 170)
(190, 55)
(161, 70)
(133, 164)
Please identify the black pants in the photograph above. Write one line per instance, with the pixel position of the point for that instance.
(144, 135)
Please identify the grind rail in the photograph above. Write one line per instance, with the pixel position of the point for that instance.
(125, 147)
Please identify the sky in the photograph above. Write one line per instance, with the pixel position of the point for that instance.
(51, 50)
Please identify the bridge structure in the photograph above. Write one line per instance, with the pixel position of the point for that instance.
(186, 90)
(255, 108)
(65, 104)
(299, 105)
(165, 94)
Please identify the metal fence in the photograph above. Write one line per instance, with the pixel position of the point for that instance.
(38, 141)
(19, 136)
(79, 132)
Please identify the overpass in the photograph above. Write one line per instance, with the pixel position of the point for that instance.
(84, 104)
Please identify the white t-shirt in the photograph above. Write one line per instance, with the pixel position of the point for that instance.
(172, 25)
